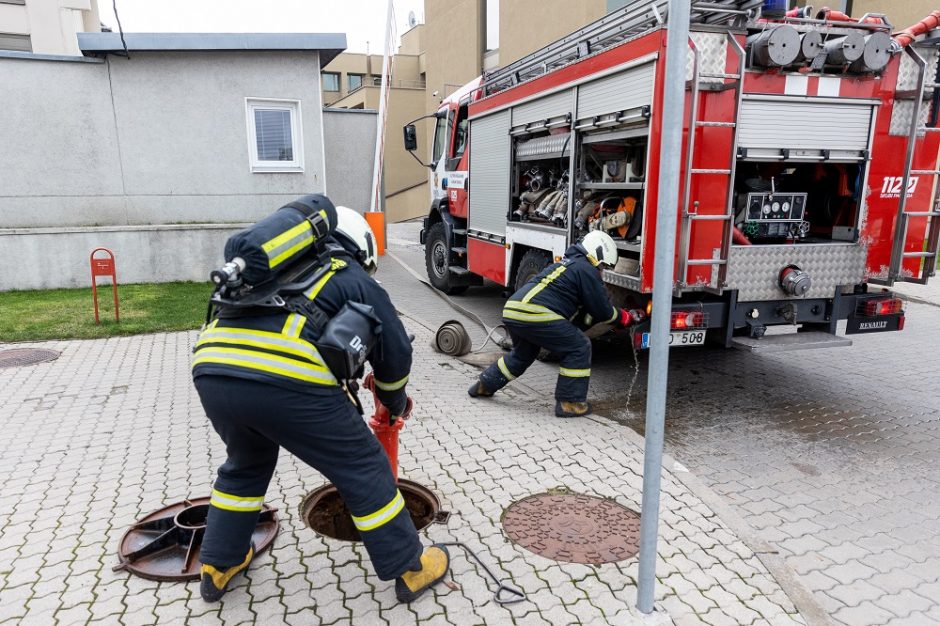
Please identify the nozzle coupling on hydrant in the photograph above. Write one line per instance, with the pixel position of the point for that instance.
(382, 424)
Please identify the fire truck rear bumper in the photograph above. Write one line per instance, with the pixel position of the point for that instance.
(728, 321)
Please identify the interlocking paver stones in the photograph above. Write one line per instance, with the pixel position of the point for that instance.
(94, 451)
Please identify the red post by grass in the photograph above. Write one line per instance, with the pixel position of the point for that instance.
(103, 266)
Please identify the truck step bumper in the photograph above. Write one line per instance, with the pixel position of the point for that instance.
(789, 342)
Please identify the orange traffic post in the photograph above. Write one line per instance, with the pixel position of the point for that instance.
(103, 266)
(376, 220)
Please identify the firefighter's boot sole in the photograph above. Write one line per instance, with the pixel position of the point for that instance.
(572, 409)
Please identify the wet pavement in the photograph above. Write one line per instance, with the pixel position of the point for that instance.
(832, 455)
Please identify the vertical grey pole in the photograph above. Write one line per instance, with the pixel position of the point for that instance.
(667, 208)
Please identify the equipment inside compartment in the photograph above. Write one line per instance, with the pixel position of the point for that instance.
(608, 186)
(780, 202)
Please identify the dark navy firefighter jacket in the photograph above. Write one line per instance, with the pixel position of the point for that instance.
(278, 348)
(571, 289)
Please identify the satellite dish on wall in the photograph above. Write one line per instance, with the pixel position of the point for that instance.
(412, 20)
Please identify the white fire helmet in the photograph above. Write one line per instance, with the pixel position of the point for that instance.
(356, 230)
(601, 247)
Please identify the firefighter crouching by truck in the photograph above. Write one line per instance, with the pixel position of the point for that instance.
(264, 385)
(544, 313)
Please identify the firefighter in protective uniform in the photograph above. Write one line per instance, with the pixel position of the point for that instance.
(543, 313)
(264, 386)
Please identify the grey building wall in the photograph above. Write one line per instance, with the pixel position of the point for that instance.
(350, 149)
(149, 157)
(157, 138)
(49, 258)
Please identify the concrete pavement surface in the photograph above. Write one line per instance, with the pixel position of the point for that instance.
(113, 430)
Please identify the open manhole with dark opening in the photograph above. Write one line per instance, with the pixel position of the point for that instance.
(19, 357)
(574, 528)
(165, 544)
(324, 510)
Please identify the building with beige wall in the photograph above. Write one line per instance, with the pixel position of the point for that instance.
(353, 81)
(46, 26)
(901, 13)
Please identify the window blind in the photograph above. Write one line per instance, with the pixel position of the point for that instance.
(273, 135)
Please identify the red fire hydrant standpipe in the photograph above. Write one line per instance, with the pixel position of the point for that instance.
(386, 431)
(384, 425)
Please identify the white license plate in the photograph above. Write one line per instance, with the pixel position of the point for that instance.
(679, 339)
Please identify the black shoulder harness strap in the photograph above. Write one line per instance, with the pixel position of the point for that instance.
(266, 299)
(321, 227)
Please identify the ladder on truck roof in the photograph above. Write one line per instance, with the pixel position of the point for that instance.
(636, 18)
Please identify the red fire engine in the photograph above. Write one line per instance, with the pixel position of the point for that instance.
(809, 174)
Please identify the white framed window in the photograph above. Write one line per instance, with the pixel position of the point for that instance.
(275, 135)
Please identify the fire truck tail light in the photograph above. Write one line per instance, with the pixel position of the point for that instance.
(684, 320)
(885, 306)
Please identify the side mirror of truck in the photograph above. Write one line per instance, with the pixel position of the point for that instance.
(411, 138)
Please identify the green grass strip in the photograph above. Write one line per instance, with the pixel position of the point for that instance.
(69, 313)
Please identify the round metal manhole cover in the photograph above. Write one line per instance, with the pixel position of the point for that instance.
(18, 357)
(574, 528)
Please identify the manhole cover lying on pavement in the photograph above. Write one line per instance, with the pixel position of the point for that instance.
(165, 544)
(573, 528)
(18, 357)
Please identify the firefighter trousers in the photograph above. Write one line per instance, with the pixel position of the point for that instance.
(325, 431)
(561, 338)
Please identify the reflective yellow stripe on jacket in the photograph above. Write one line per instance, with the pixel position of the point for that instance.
(277, 354)
(545, 282)
(528, 312)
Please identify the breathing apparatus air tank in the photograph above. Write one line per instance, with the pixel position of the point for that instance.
(259, 253)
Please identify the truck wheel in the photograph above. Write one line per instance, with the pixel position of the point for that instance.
(533, 262)
(437, 259)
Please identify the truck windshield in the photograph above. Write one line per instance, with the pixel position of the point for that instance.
(440, 139)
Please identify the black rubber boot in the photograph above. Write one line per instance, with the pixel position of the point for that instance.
(563, 408)
(215, 581)
(479, 390)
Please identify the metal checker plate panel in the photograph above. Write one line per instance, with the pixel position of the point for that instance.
(901, 116)
(754, 270)
(713, 56)
(621, 280)
(908, 71)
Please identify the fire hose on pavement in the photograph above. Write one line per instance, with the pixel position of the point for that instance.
(452, 338)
